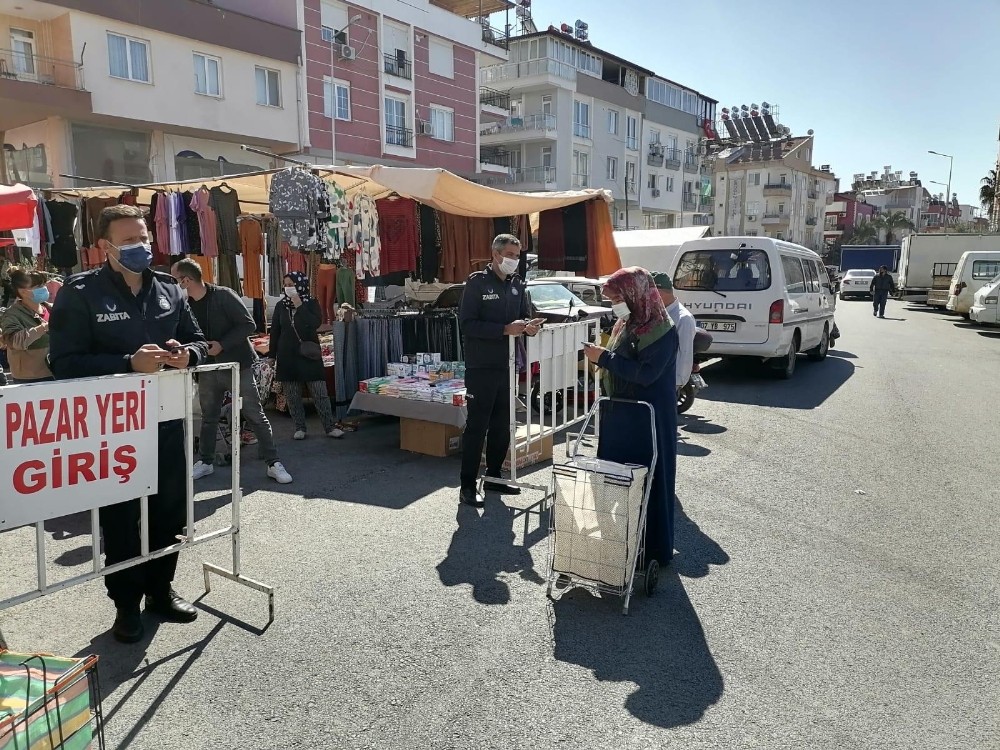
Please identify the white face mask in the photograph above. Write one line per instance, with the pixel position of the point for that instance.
(620, 309)
(290, 291)
(509, 266)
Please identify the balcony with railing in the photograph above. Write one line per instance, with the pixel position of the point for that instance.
(494, 157)
(539, 125)
(689, 203)
(632, 143)
(810, 221)
(655, 156)
(706, 167)
(630, 187)
(493, 98)
(705, 202)
(813, 195)
(33, 87)
(690, 163)
(398, 65)
(546, 67)
(700, 220)
(581, 130)
(496, 37)
(581, 181)
(672, 158)
(533, 176)
(398, 136)
(777, 188)
(778, 218)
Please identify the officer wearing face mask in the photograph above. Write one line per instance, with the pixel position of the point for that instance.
(494, 308)
(122, 318)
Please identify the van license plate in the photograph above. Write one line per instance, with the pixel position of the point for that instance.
(725, 327)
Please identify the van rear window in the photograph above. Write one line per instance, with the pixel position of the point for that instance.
(723, 271)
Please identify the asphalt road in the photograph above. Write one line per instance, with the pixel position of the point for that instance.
(835, 585)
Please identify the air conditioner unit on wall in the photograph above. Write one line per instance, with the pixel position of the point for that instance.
(347, 52)
(751, 217)
(656, 192)
(424, 127)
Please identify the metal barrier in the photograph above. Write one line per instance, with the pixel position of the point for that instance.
(557, 391)
(80, 445)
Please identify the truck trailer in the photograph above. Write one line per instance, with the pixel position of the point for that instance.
(928, 261)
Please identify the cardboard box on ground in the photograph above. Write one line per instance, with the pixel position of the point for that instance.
(442, 440)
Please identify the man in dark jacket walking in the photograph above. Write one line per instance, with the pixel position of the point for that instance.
(880, 288)
(227, 326)
(494, 306)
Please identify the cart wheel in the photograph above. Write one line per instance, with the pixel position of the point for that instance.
(652, 577)
(224, 459)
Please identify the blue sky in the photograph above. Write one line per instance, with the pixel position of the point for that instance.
(880, 81)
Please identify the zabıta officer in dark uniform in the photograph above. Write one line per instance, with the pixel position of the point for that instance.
(494, 307)
(121, 318)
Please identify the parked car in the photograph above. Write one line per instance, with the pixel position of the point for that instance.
(758, 297)
(590, 291)
(973, 269)
(857, 283)
(549, 300)
(985, 309)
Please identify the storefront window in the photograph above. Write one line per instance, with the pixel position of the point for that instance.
(190, 165)
(115, 155)
(27, 165)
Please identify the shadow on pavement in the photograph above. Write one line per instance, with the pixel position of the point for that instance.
(840, 354)
(684, 448)
(660, 646)
(749, 382)
(121, 662)
(482, 550)
(989, 334)
(699, 425)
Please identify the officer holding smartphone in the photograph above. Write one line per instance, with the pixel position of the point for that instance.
(121, 318)
(494, 307)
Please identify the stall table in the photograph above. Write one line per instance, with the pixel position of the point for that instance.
(427, 427)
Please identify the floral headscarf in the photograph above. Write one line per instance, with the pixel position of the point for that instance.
(301, 282)
(648, 317)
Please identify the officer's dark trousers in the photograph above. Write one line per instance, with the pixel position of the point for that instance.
(878, 302)
(488, 420)
(167, 517)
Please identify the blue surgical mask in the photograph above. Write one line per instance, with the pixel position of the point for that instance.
(136, 257)
(40, 295)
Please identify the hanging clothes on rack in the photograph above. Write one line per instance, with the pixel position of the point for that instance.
(466, 244)
(551, 241)
(430, 243)
(191, 226)
(159, 209)
(252, 248)
(226, 203)
(339, 223)
(65, 254)
(296, 198)
(365, 235)
(208, 225)
(398, 236)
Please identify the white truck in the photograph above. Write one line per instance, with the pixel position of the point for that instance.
(928, 261)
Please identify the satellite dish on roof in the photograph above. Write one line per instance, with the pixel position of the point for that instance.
(809, 132)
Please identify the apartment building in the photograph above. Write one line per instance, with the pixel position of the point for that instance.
(390, 82)
(145, 90)
(582, 117)
(772, 189)
(843, 214)
(890, 192)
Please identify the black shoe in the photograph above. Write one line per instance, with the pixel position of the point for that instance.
(172, 607)
(128, 625)
(503, 489)
(471, 496)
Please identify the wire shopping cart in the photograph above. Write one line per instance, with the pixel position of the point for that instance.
(597, 524)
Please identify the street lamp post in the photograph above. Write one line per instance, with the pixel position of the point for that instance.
(947, 196)
(333, 90)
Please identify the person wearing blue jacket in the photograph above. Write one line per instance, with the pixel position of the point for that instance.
(639, 364)
(121, 318)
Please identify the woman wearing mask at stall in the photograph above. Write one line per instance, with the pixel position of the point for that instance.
(25, 326)
(639, 365)
(298, 358)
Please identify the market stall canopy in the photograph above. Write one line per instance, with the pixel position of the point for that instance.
(436, 188)
(17, 207)
(655, 249)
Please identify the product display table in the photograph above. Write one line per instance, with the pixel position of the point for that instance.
(425, 411)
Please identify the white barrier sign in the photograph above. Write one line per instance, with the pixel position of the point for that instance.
(76, 445)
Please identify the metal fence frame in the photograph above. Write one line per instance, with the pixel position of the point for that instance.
(176, 396)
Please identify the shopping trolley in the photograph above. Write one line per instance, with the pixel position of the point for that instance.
(597, 523)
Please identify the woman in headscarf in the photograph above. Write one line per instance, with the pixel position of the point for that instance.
(639, 365)
(295, 348)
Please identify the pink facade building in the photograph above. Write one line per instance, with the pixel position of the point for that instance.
(396, 83)
(843, 214)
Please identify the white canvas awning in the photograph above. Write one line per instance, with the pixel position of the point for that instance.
(436, 188)
(655, 249)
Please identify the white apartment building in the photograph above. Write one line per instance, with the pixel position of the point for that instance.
(580, 117)
(890, 192)
(146, 91)
(773, 190)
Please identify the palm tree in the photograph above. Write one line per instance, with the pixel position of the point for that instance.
(865, 233)
(988, 191)
(890, 222)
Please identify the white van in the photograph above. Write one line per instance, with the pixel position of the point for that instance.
(985, 309)
(759, 297)
(974, 269)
